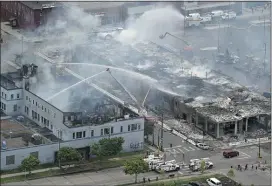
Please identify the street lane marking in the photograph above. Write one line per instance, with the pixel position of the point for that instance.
(242, 158)
(172, 147)
(245, 154)
(191, 148)
(180, 150)
(186, 149)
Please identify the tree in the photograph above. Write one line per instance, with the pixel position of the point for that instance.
(107, 147)
(135, 166)
(68, 155)
(231, 173)
(202, 166)
(29, 163)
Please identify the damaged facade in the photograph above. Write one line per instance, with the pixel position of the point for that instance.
(234, 114)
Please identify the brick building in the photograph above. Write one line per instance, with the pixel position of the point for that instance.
(26, 14)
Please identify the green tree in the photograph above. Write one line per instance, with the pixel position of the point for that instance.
(68, 155)
(107, 147)
(202, 166)
(29, 163)
(231, 173)
(135, 166)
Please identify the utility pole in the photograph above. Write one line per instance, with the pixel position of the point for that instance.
(218, 37)
(162, 132)
(59, 147)
(259, 153)
(22, 46)
(264, 55)
(184, 21)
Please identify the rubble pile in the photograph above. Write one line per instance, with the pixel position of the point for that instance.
(218, 114)
(257, 133)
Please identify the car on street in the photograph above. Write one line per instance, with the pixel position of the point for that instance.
(203, 146)
(229, 16)
(213, 182)
(230, 153)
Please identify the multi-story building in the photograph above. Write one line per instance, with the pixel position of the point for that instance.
(26, 14)
(72, 127)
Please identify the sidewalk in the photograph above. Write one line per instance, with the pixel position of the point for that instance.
(248, 14)
(34, 171)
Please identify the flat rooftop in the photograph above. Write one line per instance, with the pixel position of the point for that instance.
(7, 83)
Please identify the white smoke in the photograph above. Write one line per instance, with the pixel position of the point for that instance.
(151, 24)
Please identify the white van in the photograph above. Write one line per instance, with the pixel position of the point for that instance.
(213, 182)
(217, 13)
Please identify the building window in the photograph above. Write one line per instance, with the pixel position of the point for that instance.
(128, 127)
(121, 129)
(35, 154)
(51, 127)
(111, 131)
(44, 109)
(11, 96)
(38, 117)
(10, 160)
(106, 131)
(42, 119)
(79, 135)
(36, 104)
(5, 96)
(18, 96)
(74, 135)
(2, 94)
(26, 97)
(101, 132)
(29, 100)
(84, 134)
(92, 133)
(14, 108)
(139, 126)
(33, 102)
(4, 106)
(54, 115)
(133, 127)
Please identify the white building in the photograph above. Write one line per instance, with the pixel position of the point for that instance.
(17, 100)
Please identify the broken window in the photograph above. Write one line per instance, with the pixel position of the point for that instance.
(18, 96)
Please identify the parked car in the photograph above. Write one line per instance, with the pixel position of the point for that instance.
(214, 182)
(230, 154)
(229, 16)
(202, 146)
